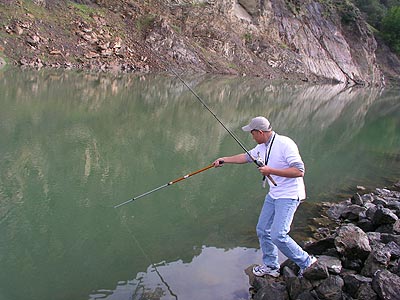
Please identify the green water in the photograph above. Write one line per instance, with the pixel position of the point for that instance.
(73, 145)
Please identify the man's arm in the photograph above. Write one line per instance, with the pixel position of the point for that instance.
(291, 172)
(234, 159)
(294, 162)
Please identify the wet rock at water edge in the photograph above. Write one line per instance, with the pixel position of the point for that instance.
(354, 262)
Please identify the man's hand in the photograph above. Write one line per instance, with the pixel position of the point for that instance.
(218, 163)
(265, 170)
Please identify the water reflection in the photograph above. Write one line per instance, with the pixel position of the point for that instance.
(72, 145)
(170, 280)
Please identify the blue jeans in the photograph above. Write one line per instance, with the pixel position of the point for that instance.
(272, 230)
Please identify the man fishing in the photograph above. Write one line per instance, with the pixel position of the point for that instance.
(278, 157)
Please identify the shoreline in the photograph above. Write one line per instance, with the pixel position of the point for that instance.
(358, 254)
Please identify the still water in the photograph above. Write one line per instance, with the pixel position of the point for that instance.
(73, 145)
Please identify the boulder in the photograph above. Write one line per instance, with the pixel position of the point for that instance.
(272, 290)
(295, 286)
(353, 263)
(352, 242)
(366, 225)
(321, 246)
(378, 259)
(333, 264)
(372, 208)
(365, 292)
(386, 285)
(379, 201)
(331, 288)
(352, 283)
(357, 199)
(384, 216)
(353, 212)
(335, 211)
(367, 198)
(317, 271)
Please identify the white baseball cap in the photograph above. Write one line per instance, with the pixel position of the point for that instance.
(258, 123)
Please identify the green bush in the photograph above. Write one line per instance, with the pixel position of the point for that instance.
(143, 23)
(347, 11)
(390, 29)
(374, 11)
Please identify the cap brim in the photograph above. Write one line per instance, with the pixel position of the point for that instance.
(246, 128)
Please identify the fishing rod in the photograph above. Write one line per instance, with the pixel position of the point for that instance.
(257, 162)
(167, 184)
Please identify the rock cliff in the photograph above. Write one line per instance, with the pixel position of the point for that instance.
(292, 39)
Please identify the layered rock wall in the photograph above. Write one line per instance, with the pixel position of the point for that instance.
(302, 40)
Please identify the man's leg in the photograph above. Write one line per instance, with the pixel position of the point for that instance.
(265, 221)
(284, 213)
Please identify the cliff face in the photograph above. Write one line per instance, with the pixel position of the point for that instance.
(293, 39)
(297, 37)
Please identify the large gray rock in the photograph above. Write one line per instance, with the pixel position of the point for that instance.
(337, 210)
(365, 292)
(387, 238)
(394, 206)
(331, 288)
(378, 259)
(371, 211)
(355, 264)
(321, 246)
(353, 212)
(267, 287)
(272, 291)
(357, 199)
(393, 248)
(384, 216)
(317, 271)
(366, 225)
(352, 242)
(333, 264)
(386, 285)
(352, 282)
(295, 286)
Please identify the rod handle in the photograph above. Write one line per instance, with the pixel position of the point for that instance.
(260, 164)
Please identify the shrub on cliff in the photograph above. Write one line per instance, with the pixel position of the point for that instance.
(391, 28)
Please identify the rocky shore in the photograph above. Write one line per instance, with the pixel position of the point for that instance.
(358, 258)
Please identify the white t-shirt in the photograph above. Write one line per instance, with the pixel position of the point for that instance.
(284, 154)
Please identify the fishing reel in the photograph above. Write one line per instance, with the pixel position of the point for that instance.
(260, 163)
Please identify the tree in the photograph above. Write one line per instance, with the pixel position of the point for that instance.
(374, 11)
(391, 28)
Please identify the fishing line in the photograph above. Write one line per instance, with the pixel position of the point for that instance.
(150, 261)
(257, 162)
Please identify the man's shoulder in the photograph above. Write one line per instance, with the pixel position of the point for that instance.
(286, 144)
(284, 139)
